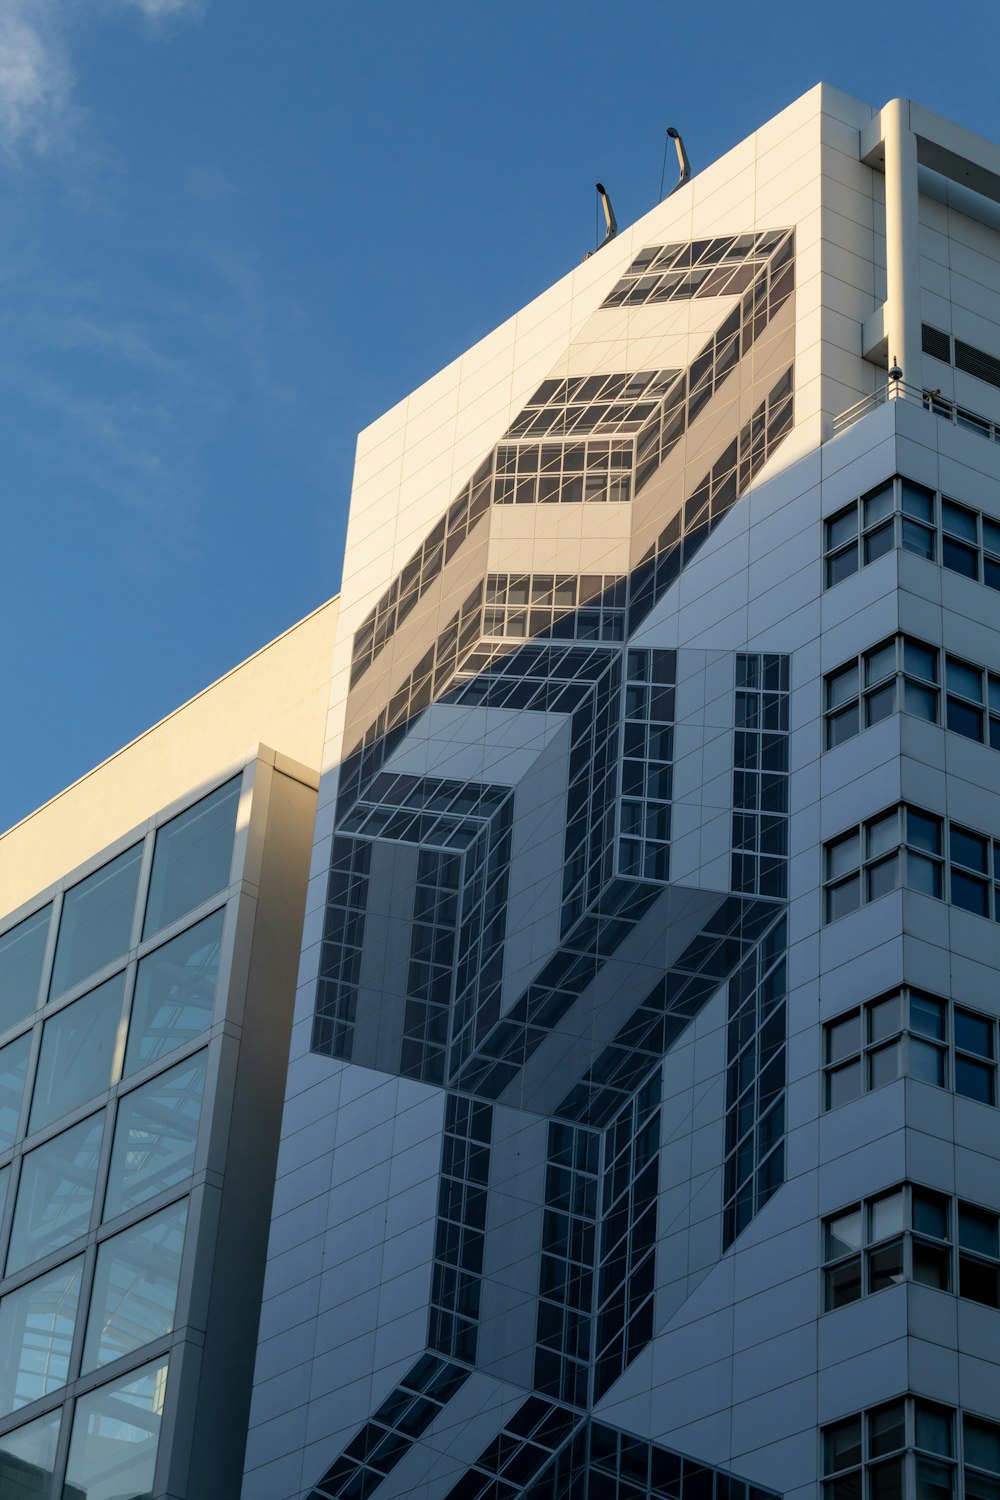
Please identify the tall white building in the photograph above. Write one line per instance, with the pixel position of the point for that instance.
(641, 1130)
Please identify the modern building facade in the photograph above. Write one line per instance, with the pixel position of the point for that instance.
(147, 966)
(640, 1135)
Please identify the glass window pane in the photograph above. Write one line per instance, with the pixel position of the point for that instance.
(880, 663)
(843, 1085)
(174, 993)
(4, 1184)
(885, 1018)
(841, 527)
(841, 565)
(979, 1487)
(55, 1193)
(883, 1065)
(932, 1265)
(991, 535)
(958, 520)
(885, 1481)
(934, 1481)
(923, 831)
(974, 1080)
(28, 1458)
(843, 898)
(22, 951)
(916, 501)
(977, 1230)
(842, 726)
(970, 894)
(963, 679)
(920, 701)
(930, 1213)
(881, 835)
(880, 704)
(843, 1284)
(842, 686)
(917, 538)
(962, 718)
(13, 1070)
(977, 1281)
(192, 857)
(135, 1287)
(155, 1136)
(842, 1445)
(78, 1048)
(919, 660)
(933, 1428)
(878, 503)
(960, 558)
(923, 875)
(843, 1037)
(36, 1336)
(886, 1216)
(843, 1234)
(927, 1015)
(883, 877)
(982, 1444)
(879, 542)
(116, 1429)
(926, 1062)
(96, 922)
(842, 856)
(973, 1033)
(886, 1429)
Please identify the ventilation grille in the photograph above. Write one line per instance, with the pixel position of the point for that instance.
(936, 343)
(977, 362)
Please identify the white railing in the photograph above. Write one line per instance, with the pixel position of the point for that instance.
(932, 401)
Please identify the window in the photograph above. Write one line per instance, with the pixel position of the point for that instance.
(30, 1449)
(96, 922)
(77, 1051)
(901, 513)
(192, 857)
(22, 950)
(174, 993)
(903, 1235)
(109, 1456)
(901, 1033)
(898, 676)
(155, 1136)
(978, 1254)
(55, 1193)
(13, 1071)
(36, 1336)
(906, 1447)
(899, 847)
(135, 1287)
(981, 1452)
(907, 1033)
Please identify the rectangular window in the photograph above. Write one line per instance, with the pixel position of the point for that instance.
(155, 1136)
(36, 1336)
(110, 1457)
(13, 1072)
(135, 1287)
(95, 926)
(192, 857)
(22, 951)
(55, 1193)
(174, 993)
(77, 1052)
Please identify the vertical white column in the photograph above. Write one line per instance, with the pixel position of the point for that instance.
(902, 245)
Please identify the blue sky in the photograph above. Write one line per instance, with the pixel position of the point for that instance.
(235, 231)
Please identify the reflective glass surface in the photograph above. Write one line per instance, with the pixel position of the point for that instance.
(55, 1193)
(13, 1070)
(174, 993)
(36, 1336)
(155, 1136)
(78, 1047)
(96, 921)
(28, 1457)
(21, 953)
(116, 1430)
(135, 1287)
(192, 857)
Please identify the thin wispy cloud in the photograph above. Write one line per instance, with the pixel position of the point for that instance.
(35, 77)
(37, 112)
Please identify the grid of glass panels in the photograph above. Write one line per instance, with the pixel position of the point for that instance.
(103, 1064)
(911, 1234)
(904, 675)
(911, 1033)
(911, 1447)
(901, 513)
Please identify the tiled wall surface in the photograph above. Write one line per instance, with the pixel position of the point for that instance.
(628, 968)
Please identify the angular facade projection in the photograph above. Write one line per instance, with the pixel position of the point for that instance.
(640, 1137)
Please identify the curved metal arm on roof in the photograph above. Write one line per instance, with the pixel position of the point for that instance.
(610, 222)
(682, 160)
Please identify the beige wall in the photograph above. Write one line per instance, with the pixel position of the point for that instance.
(279, 697)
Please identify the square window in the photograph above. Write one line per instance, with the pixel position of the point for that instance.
(963, 719)
(964, 680)
(885, 1018)
(843, 855)
(842, 686)
(879, 542)
(841, 565)
(920, 701)
(973, 1033)
(923, 831)
(959, 521)
(917, 539)
(970, 894)
(843, 898)
(95, 926)
(880, 704)
(975, 1080)
(960, 558)
(883, 877)
(843, 1234)
(917, 501)
(192, 857)
(880, 663)
(843, 1037)
(842, 726)
(881, 834)
(55, 1193)
(843, 1084)
(920, 661)
(927, 1015)
(78, 1048)
(155, 1136)
(879, 503)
